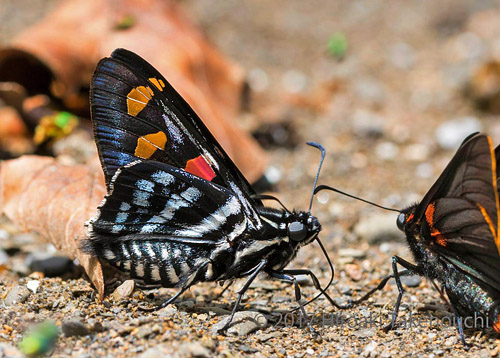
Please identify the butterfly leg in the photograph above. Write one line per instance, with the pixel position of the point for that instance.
(164, 303)
(316, 284)
(253, 274)
(186, 285)
(285, 276)
(460, 322)
(224, 290)
(441, 292)
(410, 268)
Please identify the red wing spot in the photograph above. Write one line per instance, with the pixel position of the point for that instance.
(429, 217)
(199, 167)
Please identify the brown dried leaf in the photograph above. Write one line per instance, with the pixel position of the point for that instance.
(39, 194)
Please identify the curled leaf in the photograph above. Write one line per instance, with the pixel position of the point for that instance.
(39, 194)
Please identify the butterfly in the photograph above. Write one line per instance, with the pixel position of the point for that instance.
(177, 210)
(453, 234)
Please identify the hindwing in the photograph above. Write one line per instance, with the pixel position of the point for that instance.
(153, 200)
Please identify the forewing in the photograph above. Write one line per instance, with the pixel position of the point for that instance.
(138, 115)
(460, 217)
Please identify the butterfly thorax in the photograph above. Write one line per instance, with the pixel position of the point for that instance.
(277, 241)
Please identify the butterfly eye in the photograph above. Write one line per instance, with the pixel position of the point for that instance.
(401, 221)
(297, 231)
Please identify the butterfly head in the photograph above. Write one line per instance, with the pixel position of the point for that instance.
(303, 228)
(406, 219)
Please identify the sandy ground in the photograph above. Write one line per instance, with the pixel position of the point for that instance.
(383, 113)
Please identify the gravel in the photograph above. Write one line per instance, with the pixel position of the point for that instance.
(390, 115)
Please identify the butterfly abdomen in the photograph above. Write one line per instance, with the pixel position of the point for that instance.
(472, 300)
(167, 263)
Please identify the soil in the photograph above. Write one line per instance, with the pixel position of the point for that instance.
(382, 112)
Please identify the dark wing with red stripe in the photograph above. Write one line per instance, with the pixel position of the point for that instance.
(138, 115)
(459, 215)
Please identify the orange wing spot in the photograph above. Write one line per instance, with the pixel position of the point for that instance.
(148, 144)
(495, 192)
(435, 233)
(199, 167)
(496, 325)
(158, 83)
(137, 99)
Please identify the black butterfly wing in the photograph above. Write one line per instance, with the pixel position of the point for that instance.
(163, 224)
(138, 115)
(459, 215)
(156, 200)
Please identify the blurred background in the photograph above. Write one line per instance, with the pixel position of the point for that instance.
(390, 89)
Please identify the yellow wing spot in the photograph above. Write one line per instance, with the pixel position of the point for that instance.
(495, 191)
(157, 83)
(148, 144)
(137, 99)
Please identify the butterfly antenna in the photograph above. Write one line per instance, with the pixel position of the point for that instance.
(270, 197)
(323, 290)
(323, 153)
(326, 187)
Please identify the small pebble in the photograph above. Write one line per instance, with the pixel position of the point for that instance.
(202, 317)
(402, 56)
(370, 350)
(353, 271)
(386, 150)
(266, 337)
(74, 328)
(411, 281)
(280, 299)
(3, 257)
(196, 350)
(52, 266)
(9, 351)
(378, 227)
(258, 79)
(18, 294)
(124, 290)
(424, 170)
(97, 327)
(367, 124)
(244, 322)
(354, 253)
(365, 333)
(33, 285)
(294, 81)
(369, 90)
(144, 331)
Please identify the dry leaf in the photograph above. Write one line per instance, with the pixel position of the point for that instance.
(39, 194)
